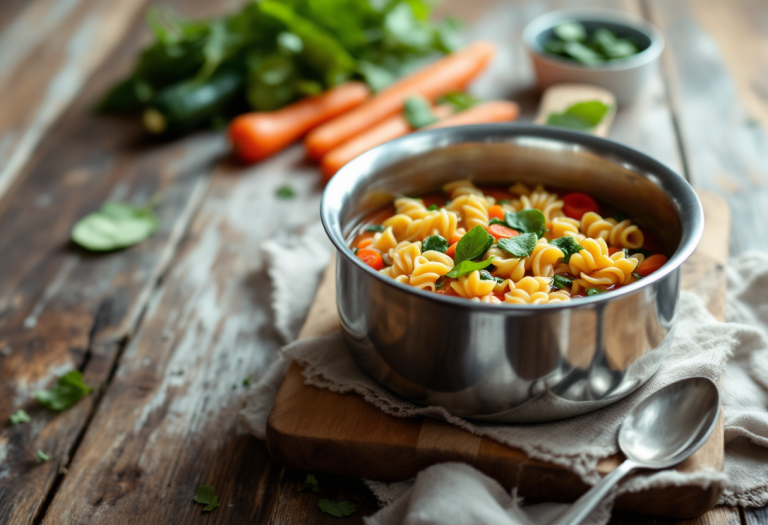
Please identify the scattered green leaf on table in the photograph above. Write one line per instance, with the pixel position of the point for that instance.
(247, 381)
(285, 192)
(434, 243)
(42, 457)
(465, 267)
(337, 509)
(206, 495)
(19, 417)
(473, 244)
(583, 116)
(568, 246)
(68, 390)
(418, 112)
(519, 246)
(459, 100)
(116, 225)
(310, 484)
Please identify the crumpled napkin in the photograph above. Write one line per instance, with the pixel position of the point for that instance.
(738, 349)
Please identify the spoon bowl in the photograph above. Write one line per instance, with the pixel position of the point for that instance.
(664, 429)
(670, 425)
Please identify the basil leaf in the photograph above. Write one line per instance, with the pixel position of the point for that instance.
(497, 221)
(418, 112)
(459, 100)
(465, 267)
(594, 291)
(285, 192)
(374, 228)
(439, 283)
(434, 243)
(568, 246)
(68, 390)
(520, 246)
(559, 282)
(527, 221)
(581, 116)
(570, 31)
(432, 207)
(485, 275)
(582, 53)
(116, 225)
(473, 245)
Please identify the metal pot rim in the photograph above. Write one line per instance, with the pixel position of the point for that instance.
(691, 216)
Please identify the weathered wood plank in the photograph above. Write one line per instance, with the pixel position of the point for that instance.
(715, 61)
(47, 52)
(60, 307)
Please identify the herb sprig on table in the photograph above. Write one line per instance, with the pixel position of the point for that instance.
(271, 53)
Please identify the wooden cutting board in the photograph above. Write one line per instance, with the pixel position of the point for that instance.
(320, 431)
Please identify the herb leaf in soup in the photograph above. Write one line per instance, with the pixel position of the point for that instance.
(568, 246)
(418, 112)
(582, 116)
(432, 207)
(570, 31)
(465, 267)
(560, 282)
(520, 246)
(374, 228)
(473, 245)
(434, 243)
(594, 291)
(527, 221)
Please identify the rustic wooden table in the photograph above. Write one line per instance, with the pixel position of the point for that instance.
(170, 328)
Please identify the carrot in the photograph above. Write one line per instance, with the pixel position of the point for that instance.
(256, 136)
(451, 73)
(372, 258)
(451, 251)
(456, 237)
(493, 111)
(496, 212)
(651, 264)
(499, 231)
(575, 205)
(612, 250)
(391, 128)
(365, 243)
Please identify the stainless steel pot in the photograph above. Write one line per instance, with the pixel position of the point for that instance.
(510, 363)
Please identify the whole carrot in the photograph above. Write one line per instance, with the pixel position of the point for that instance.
(484, 113)
(256, 136)
(390, 128)
(448, 74)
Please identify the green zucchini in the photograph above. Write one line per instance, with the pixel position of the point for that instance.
(190, 104)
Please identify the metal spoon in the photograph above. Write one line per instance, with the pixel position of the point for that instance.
(662, 431)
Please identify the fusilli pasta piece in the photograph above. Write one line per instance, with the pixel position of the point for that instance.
(594, 226)
(625, 235)
(428, 268)
(507, 267)
(543, 259)
(384, 241)
(413, 208)
(472, 285)
(462, 187)
(565, 227)
(403, 259)
(529, 290)
(473, 210)
(489, 299)
(593, 256)
(619, 273)
(442, 223)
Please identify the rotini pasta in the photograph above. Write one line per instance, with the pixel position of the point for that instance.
(445, 243)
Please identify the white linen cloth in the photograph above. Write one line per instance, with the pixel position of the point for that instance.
(737, 349)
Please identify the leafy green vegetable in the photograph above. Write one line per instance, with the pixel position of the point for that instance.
(285, 192)
(418, 112)
(559, 282)
(439, 283)
(206, 495)
(582, 116)
(432, 207)
(472, 245)
(355, 250)
(42, 457)
(247, 381)
(570, 31)
(68, 390)
(374, 228)
(594, 291)
(280, 50)
(465, 267)
(116, 225)
(526, 221)
(611, 46)
(337, 509)
(520, 246)
(310, 484)
(485, 275)
(459, 100)
(435, 243)
(581, 53)
(19, 417)
(568, 246)
(637, 275)
(618, 217)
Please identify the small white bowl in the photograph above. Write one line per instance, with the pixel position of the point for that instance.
(625, 77)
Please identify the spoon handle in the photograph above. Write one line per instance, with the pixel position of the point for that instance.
(587, 503)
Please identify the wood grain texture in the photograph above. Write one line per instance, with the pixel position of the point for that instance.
(314, 428)
(714, 63)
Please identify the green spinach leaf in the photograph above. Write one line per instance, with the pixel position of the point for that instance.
(594, 291)
(337, 509)
(465, 267)
(527, 221)
(472, 245)
(568, 246)
(459, 100)
(434, 243)
(374, 228)
(582, 116)
(519, 246)
(560, 282)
